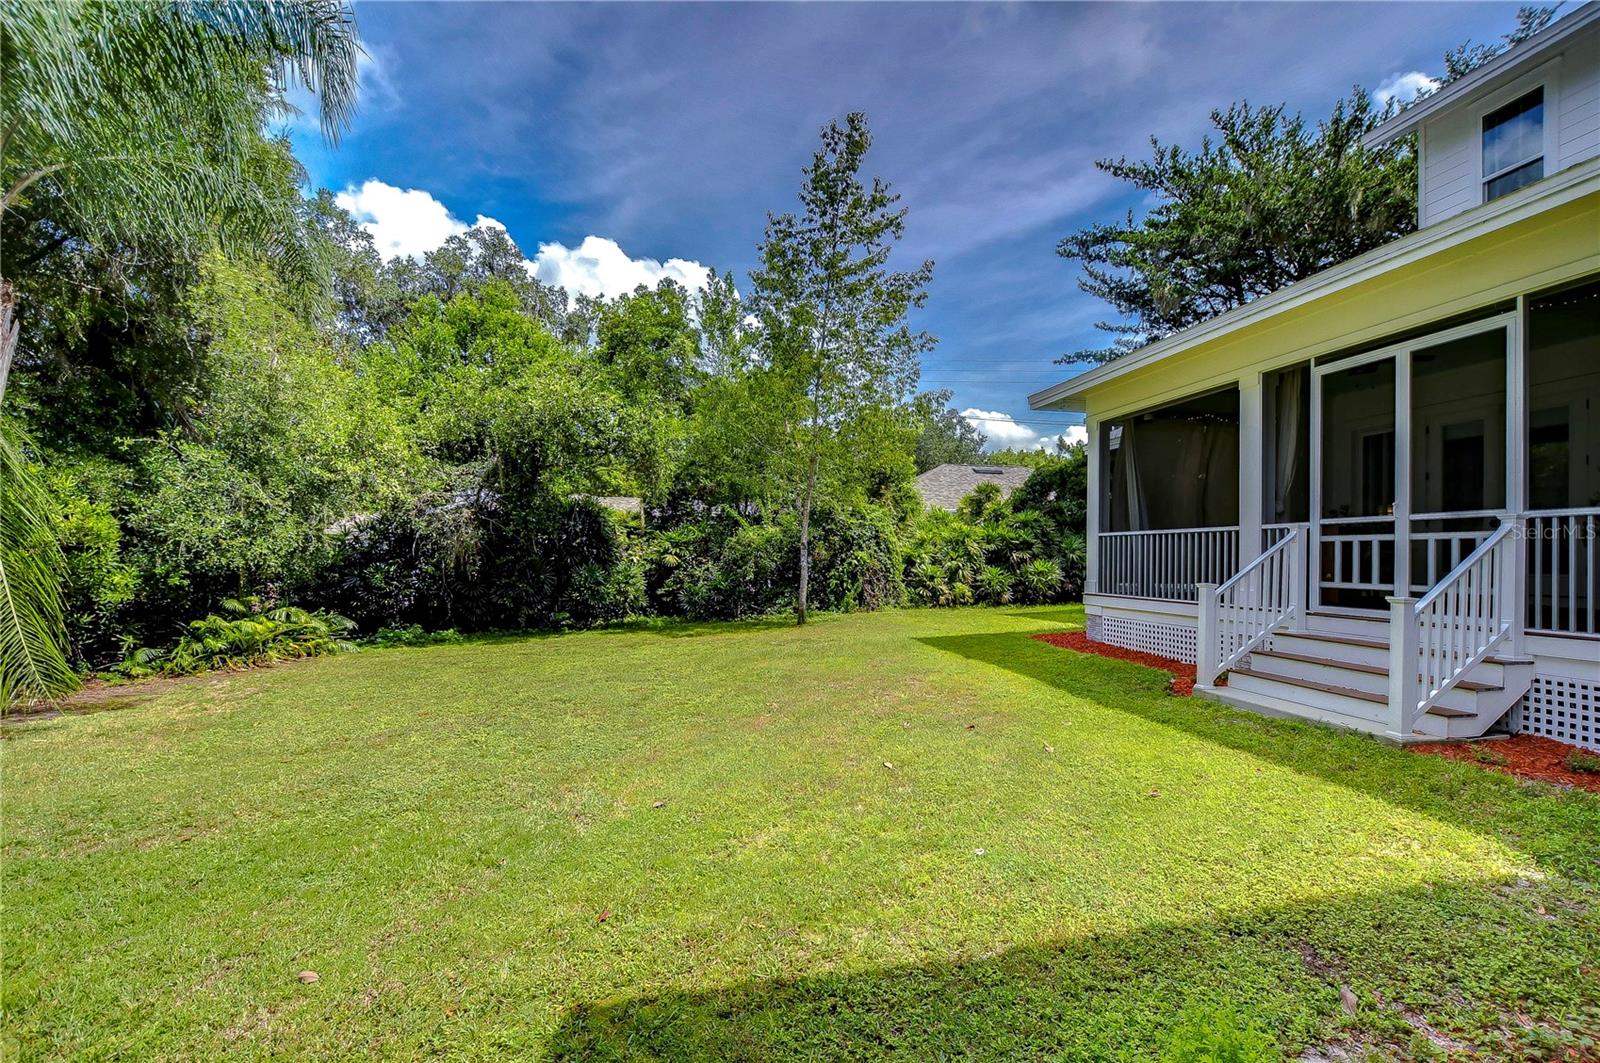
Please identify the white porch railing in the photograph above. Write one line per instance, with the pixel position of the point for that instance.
(1443, 549)
(1166, 564)
(1236, 617)
(1361, 560)
(1561, 571)
(1435, 640)
(1271, 533)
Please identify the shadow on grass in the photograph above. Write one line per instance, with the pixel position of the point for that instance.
(1060, 615)
(1130, 995)
(671, 628)
(1558, 828)
(665, 627)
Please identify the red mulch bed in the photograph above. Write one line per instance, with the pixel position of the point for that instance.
(1182, 673)
(1525, 756)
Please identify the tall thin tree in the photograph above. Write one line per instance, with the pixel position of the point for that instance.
(833, 316)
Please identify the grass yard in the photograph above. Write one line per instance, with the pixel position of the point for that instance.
(910, 835)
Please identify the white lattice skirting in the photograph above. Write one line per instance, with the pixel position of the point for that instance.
(1567, 710)
(1166, 640)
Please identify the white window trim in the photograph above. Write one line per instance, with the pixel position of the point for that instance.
(1544, 76)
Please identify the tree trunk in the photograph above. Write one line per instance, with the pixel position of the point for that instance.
(805, 538)
(8, 332)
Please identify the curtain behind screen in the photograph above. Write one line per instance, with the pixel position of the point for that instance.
(1290, 418)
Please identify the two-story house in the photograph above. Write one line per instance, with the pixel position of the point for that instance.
(1373, 498)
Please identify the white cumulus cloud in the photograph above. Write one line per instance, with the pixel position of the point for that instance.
(403, 221)
(599, 267)
(1005, 432)
(409, 221)
(1404, 87)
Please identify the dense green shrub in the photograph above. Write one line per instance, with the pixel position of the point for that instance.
(472, 560)
(410, 635)
(996, 551)
(98, 585)
(859, 563)
(722, 565)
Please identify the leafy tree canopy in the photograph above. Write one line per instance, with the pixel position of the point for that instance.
(1468, 56)
(1270, 201)
(945, 436)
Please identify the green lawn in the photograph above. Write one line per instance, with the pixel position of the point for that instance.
(912, 835)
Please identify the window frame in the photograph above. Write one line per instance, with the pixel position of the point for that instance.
(1545, 78)
(1505, 171)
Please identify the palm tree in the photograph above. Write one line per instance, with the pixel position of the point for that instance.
(127, 121)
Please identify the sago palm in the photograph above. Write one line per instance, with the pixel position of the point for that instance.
(125, 122)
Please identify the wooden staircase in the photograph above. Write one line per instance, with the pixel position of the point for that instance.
(1337, 671)
(1434, 668)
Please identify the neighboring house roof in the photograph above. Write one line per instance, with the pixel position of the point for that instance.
(945, 486)
(621, 503)
(617, 503)
(1569, 185)
(1503, 68)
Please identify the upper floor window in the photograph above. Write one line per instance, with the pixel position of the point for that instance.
(1513, 145)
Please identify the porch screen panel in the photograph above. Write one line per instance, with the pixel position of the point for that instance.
(1356, 565)
(1286, 445)
(1564, 461)
(1458, 451)
(1170, 498)
(1174, 467)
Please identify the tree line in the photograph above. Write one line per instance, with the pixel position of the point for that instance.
(216, 397)
(223, 400)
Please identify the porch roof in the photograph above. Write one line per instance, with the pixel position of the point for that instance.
(1570, 185)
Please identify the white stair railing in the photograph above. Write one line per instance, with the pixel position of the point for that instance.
(1237, 617)
(1435, 640)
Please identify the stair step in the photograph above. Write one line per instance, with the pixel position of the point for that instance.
(1449, 714)
(1376, 644)
(1369, 669)
(1342, 640)
(1312, 684)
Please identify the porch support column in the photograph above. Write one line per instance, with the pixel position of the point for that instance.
(1405, 658)
(1516, 575)
(1402, 473)
(1250, 471)
(1091, 563)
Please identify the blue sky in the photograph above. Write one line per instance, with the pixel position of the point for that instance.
(623, 142)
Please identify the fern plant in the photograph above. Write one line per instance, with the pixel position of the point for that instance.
(250, 637)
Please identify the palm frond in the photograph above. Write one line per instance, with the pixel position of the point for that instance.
(143, 118)
(32, 634)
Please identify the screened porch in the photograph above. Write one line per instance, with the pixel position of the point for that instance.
(1432, 440)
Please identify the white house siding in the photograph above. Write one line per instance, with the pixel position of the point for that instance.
(1449, 176)
(1578, 122)
(1449, 170)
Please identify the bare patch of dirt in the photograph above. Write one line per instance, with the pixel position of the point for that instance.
(96, 695)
